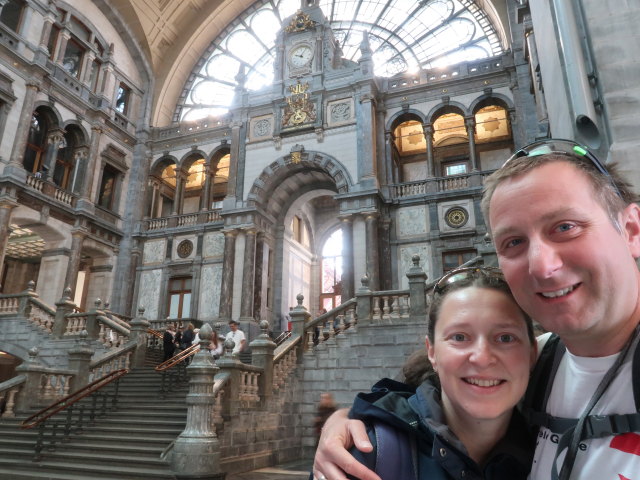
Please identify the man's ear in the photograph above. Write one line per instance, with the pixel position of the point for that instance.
(630, 224)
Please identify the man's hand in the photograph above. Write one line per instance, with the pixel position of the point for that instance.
(332, 460)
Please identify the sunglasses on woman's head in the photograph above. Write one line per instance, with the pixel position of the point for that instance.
(466, 275)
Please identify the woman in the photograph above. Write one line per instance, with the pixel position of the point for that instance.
(216, 345)
(460, 423)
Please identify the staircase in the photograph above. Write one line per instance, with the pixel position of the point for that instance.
(123, 445)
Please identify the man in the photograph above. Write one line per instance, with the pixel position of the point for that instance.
(567, 235)
(237, 336)
(168, 342)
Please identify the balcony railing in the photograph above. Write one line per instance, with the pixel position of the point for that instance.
(51, 190)
(185, 220)
(438, 184)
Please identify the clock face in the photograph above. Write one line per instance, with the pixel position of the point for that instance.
(301, 56)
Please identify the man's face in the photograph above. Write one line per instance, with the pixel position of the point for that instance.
(233, 326)
(567, 264)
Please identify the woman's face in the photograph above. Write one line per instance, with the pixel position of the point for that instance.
(482, 354)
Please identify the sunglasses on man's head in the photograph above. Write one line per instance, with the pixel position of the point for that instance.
(568, 148)
(466, 275)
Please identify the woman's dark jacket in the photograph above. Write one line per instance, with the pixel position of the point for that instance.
(437, 453)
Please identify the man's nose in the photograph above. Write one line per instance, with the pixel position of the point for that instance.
(544, 259)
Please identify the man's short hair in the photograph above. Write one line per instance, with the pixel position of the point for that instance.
(605, 192)
(233, 321)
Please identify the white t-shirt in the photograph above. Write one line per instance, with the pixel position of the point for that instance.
(608, 458)
(237, 337)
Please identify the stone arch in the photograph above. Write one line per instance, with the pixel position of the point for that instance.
(192, 156)
(319, 169)
(403, 116)
(161, 163)
(449, 107)
(491, 99)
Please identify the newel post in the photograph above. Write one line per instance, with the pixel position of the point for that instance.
(196, 452)
(417, 291)
(299, 318)
(262, 349)
(138, 333)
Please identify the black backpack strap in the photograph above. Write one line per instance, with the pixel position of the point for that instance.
(539, 389)
(635, 376)
(392, 461)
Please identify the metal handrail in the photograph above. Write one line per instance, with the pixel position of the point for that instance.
(176, 359)
(65, 402)
(155, 333)
(282, 337)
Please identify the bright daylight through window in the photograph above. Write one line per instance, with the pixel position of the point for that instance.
(405, 35)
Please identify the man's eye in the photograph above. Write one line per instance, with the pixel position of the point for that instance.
(506, 338)
(564, 227)
(458, 337)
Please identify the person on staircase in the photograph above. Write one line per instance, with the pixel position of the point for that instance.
(237, 336)
(168, 342)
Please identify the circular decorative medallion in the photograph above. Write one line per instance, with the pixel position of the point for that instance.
(456, 217)
(261, 128)
(185, 247)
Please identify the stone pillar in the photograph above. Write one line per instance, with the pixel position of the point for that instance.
(363, 302)
(367, 168)
(139, 326)
(85, 201)
(54, 140)
(80, 166)
(248, 276)
(64, 36)
(299, 318)
(7, 204)
(43, 45)
(179, 195)
(80, 362)
(233, 164)
(427, 128)
(196, 451)
(206, 194)
(226, 289)
(22, 132)
(347, 258)
(417, 292)
(470, 123)
(71, 278)
(262, 349)
(373, 269)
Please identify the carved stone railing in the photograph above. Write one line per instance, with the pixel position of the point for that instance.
(184, 220)
(8, 393)
(284, 362)
(51, 190)
(118, 360)
(28, 305)
(438, 184)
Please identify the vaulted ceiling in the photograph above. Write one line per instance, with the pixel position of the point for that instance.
(173, 34)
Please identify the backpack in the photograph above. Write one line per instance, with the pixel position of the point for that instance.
(596, 426)
(392, 445)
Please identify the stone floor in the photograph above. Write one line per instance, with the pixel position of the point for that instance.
(298, 470)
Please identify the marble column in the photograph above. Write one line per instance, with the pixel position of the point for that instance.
(248, 275)
(347, 258)
(427, 128)
(80, 166)
(71, 278)
(373, 256)
(24, 125)
(366, 116)
(88, 173)
(470, 123)
(232, 189)
(226, 289)
(7, 204)
(206, 194)
(54, 140)
(179, 194)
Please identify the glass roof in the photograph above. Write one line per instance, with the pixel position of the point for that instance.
(405, 35)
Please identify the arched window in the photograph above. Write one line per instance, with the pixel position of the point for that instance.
(220, 181)
(492, 124)
(410, 138)
(451, 144)
(194, 186)
(331, 272)
(36, 143)
(405, 35)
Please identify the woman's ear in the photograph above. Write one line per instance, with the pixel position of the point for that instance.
(431, 354)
